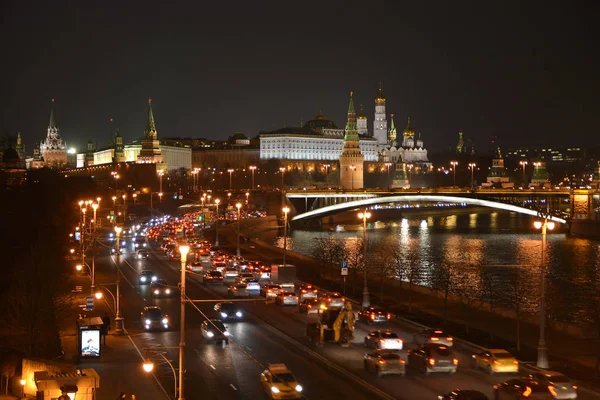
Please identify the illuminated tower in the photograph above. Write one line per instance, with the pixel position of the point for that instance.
(150, 152)
(380, 122)
(408, 136)
(392, 133)
(119, 148)
(19, 147)
(351, 160)
(460, 146)
(361, 123)
(53, 150)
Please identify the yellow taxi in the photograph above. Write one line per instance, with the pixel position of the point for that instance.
(278, 382)
(495, 360)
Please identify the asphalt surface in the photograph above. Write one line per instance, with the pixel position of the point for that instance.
(232, 371)
(213, 371)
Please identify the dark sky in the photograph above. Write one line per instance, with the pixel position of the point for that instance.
(525, 71)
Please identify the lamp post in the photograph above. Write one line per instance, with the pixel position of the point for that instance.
(230, 170)
(148, 366)
(23, 382)
(239, 216)
(160, 175)
(248, 200)
(183, 250)
(364, 216)
(542, 350)
(286, 210)
(93, 286)
(124, 209)
(134, 199)
(217, 201)
(99, 295)
(410, 167)
(472, 168)
(83, 212)
(228, 198)
(326, 166)
(388, 165)
(523, 164)
(252, 168)
(118, 317)
(353, 168)
(282, 171)
(454, 164)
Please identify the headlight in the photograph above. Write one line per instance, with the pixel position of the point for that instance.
(274, 389)
(165, 321)
(238, 314)
(123, 243)
(153, 278)
(143, 279)
(168, 291)
(156, 291)
(298, 388)
(210, 334)
(224, 315)
(226, 333)
(136, 245)
(148, 322)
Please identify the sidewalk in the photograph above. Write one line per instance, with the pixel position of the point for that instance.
(120, 365)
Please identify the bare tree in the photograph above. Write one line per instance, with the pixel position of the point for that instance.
(384, 263)
(489, 286)
(518, 290)
(467, 287)
(328, 250)
(443, 279)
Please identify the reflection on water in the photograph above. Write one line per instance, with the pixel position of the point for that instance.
(500, 247)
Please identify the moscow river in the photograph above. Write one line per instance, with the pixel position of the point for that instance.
(497, 256)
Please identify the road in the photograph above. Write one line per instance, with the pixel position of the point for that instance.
(232, 372)
(212, 370)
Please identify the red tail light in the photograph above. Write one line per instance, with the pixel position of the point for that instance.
(496, 362)
(434, 339)
(431, 361)
(527, 392)
(303, 291)
(552, 390)
(372, 316)
(309, 306)
(455, 361)
(381, 361)
(389, 316)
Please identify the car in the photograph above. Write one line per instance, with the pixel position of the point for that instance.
(278, 382)
(139, 242)
(431, 357)
(495, 360)
(559, 385)
(195, 266)
(142, 253)
(247, 275)
(238, 290)
(147, 277)
(287, 288)
(228, 311)
(522, 388)
(152, 317)
(160, 288)
(253, 285)
(463, 395)
(311, 306)
(437, 336)
(373, 315)
(212, 277)
(306, 291)
(380, 339)
(235, 261)
(230, 275)
(334, 300)
(286, 299)
(269, 291)
(384, 362)
(213, 330)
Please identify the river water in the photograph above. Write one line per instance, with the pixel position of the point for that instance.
(495, 256)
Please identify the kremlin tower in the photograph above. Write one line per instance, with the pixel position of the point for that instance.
(150, 152)
(380, 123)
(351, 160)
(53, 150)
(361, 123)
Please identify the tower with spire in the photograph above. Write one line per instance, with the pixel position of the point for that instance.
(361, 123)
(89, 153)
(497, 175)
(392, 134)
(53, 149)
(408, 139)
(351, 159)
(19, 147)
(460, 146)
(119, 148)
(150, 152)
(380, 123)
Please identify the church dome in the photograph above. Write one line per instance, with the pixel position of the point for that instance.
(320, 122)
(408, 131)
(10, 155)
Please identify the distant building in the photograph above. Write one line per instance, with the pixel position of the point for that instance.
(362, 123)
(150, 152)
(497, 175)
(380, 131)
(12, 169)
(352, 161)
(53, 149)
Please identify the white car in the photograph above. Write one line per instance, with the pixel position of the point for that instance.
(380, 339)
(436, 336)
(253, 285)
(286, 299)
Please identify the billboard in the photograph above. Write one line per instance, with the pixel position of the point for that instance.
(89, 343)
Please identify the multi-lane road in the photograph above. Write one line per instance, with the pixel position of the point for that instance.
(232, 371)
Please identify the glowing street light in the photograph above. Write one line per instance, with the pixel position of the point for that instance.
(160, 176)
(472, 168)
(239, 216)
(364, 216)
(118, 316)
(78, 267)
(230, 170)
(183, 250)
(326, 166)
(217, 201)
(454, 164)
(252, 168)
(148, 366)
(285, 210)
(523, 164)
(388, 165)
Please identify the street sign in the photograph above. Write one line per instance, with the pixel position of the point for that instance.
(345, 264)
(89, 302)
(344, 271)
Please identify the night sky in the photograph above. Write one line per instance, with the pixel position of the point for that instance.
(524, 71)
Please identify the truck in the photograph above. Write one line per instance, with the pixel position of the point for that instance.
(333, 325)
(285, 276)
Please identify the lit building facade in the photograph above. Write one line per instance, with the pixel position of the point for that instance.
(380, 132)
(53, 149)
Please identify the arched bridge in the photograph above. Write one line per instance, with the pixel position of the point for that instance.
(563, 202)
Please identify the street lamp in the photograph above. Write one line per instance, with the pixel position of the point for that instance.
(99, 295)
(472, 168)
(230, 170)
(252, 168)
(523, 164)
(118, 317)
(83, 212)
(160, 175)
(23, 382)
(286, 210)
(183, 250)
(247, 199)
(388, 165)
(454, 164)
(542, 350)
(93, 286)
(148, 366)
(364, 216)
(282, 170)
(410, 167)
(239, 216)
(353, 168)
(217, 201)
(114, 199)
(228, 197)
(326, 166)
